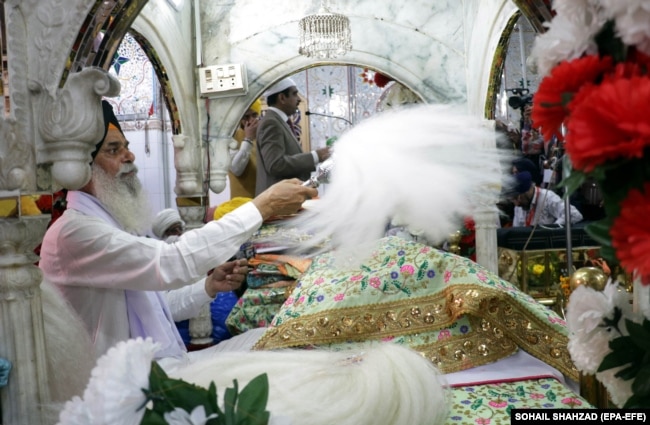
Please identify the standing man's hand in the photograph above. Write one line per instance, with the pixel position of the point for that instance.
(323, 153)
(226, 277)
(283, 198)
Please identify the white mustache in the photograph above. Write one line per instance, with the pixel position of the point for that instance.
(127, 168)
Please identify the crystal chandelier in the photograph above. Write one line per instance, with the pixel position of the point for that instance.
(324, 35)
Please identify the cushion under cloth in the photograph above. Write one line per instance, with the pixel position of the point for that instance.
(452, 310)
(492, 403)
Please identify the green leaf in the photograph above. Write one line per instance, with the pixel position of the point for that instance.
(573, 182)
(641, 384)
(636, 402)
(599, 231)
(251, 408)
(166, 393)
(153, 418)
(639, 335)
(610, 361)
(628, 373)
(229, 403)
(624, 346)
(624, 352)
(609, 44)
(613, 322)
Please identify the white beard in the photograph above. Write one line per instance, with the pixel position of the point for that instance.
(124, 198)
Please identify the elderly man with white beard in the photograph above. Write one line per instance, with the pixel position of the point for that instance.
(115, 279)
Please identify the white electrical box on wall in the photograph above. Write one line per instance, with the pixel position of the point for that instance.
(223, 80)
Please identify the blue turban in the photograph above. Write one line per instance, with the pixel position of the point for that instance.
(523, 181)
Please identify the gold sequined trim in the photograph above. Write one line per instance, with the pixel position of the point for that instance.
(484, 345)
(508, 323)
(528, 331)
(405, 317)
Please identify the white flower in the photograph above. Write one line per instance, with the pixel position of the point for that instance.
(75, 412)
(114, 394)
(619, 390)
(575, 9)
(634, 30)
(588, 342)
(569, 36)
(615, 8)
(564, 40)
(589, 339)
(179, 416)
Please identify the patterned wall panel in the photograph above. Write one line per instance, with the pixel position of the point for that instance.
(135, 72)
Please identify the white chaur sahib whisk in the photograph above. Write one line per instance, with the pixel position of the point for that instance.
(426, 166)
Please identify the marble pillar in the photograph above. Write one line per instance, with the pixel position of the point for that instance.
(21, 322)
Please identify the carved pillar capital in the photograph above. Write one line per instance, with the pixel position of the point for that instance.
(19, 278)
(187, 161)
(219, 163)
(72, 123)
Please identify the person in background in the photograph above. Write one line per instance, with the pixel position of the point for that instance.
(532, 142)
(525, 164)
(243, 164)
(169, 226)
(115, 279)
(538, 206)
(279, 154)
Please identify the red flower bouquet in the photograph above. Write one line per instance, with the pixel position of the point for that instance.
(601, 99)
(595, 96)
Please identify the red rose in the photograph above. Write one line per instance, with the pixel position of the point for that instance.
(609, 121)
(631, 233)
(556, 89)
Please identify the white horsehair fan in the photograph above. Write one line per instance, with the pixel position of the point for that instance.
(425, 167)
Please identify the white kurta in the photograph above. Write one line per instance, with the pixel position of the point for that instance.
(94, 263)
(546, 207)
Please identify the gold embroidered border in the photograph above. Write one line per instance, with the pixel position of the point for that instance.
(484, 345)
(528, 331)
(497, 311)
(379, 320)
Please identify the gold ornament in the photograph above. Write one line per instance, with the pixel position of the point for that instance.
(593, 277)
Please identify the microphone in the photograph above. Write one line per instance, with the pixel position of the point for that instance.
(328, 116)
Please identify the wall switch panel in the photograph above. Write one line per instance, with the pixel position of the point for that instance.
(223, 80)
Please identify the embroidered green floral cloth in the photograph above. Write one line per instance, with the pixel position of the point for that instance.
(490, 404)
(256, 308)
(454, 311)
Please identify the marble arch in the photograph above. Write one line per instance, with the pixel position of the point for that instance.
(442, 49)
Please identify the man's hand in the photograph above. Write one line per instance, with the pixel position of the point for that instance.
(283, 198)
(323, 153)
(250, 128)
(226, 277)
